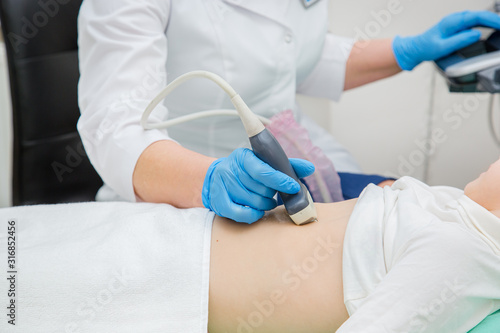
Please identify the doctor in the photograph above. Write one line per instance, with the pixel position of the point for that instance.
(267, 50)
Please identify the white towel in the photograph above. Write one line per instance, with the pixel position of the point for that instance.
(106, 267)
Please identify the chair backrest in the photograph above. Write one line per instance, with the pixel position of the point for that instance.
(49, 162)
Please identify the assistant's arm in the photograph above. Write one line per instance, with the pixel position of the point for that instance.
(370, 61)
(377, 59)
(122, 53)
(185, 169)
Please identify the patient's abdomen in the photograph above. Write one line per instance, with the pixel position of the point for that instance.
(274, 276)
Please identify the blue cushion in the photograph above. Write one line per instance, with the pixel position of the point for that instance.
(490, 324)
(354, 183)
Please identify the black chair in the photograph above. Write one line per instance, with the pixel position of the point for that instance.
(49, 162)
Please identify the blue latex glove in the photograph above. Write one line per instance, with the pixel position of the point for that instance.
(241, 187)
(451, 34)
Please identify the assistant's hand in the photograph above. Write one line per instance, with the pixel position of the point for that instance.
(451, 34)
(241, 187)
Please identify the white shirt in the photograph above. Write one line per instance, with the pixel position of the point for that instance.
(419, 259)
(267, 50)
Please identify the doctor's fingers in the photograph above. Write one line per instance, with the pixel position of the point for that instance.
(244, 194)
(461, 40)
(457, 22)
(224, 205)
(268, 176)
(255, 186)
(302, 168)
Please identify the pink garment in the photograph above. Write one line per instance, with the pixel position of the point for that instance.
(324, 184)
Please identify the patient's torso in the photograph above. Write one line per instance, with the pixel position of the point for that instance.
(273, 276)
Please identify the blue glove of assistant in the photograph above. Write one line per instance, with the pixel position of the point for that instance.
(451, 34)
(241, 187)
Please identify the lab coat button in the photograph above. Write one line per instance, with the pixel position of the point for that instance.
(288, 38)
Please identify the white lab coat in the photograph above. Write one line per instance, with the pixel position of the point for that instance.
(267, 50)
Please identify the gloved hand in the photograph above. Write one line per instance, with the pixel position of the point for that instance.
(241, 187)
(451, 34)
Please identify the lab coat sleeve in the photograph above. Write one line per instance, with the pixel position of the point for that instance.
(122, 54)
(328, 76)
(438, 285)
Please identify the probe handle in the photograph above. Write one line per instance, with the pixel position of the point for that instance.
(299, 205)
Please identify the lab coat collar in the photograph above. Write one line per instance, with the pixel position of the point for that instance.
(485, 222)
(272, 10)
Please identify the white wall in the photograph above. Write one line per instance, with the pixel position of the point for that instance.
(385, 123)
(5, 133)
